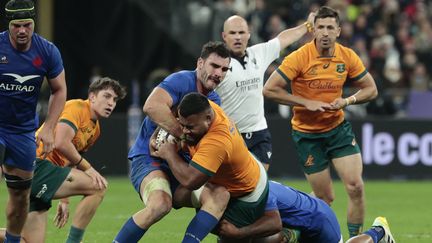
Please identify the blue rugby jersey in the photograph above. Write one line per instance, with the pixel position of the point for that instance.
(21, 76)
(178, 85)
(299, 210)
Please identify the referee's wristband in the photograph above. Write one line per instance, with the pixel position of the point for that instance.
(309, 26)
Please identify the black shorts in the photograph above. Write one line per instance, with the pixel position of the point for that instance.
(259, 143)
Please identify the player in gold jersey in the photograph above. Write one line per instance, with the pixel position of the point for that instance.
(316, 74)
(219, 156)
(65, 172)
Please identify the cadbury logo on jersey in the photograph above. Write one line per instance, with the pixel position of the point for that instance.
(18, 87)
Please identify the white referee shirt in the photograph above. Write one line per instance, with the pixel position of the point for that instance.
(241, 90)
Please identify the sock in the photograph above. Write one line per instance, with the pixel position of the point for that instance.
(129, 233)
(200, 226)
(354, 229)
(377, 233)
(75, 235)
(11, 238)
(291, 235)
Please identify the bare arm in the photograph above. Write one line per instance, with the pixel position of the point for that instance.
(289, 36)
(55, 107)
(274, 89)
(64, 136)
(269, 224)
(158, 108)
(187, 175)
(367, 92)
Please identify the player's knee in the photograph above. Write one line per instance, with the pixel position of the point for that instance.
(159, 204)
(355, 189)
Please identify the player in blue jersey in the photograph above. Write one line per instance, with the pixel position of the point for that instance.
(25, 60)
(288, 208)
(151, 176)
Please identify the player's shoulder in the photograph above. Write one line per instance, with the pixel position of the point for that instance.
(344, 51)
(76, 104)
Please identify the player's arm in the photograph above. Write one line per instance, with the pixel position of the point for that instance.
(275, 89)
(367, 92)
(63, 142)
(269, 224)
(289, 36)
(158, 108)
(187, 175)
(55, 107)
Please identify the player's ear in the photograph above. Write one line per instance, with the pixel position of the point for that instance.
(92, 96)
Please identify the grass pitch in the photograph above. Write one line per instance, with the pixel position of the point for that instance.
(406, 204)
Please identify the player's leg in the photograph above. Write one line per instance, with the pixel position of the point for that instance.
(35, 227)
(349, 169)
(211, 200)
(78, 182)
(378, 233)
(17, 154)
(315, 163)
(322, 185)
(154, 188)
(346, 158)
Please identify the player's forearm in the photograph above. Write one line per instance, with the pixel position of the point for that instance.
(265, 226)
(182, 172)
(281, 96)
(161, 114)
(57, 101)
(68, 150)
(289, 36)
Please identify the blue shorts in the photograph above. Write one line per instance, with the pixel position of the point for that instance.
(326, 227)
(142, 165)
(19, 150)
(259, 143)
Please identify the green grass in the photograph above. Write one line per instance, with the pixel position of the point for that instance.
(406, 204)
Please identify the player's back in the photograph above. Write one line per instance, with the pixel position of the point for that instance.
(76, 114)
(226, 156)
(300, 210)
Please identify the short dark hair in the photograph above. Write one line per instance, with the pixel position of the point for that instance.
(193, 103)
(217, 47)
(327, 12)
(105, 83)
(19, 9)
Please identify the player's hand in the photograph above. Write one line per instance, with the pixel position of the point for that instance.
(165, 150)
(338, 103)
(46, 136)
(229, 230)
(98, 180)
(62, 214)
(311, 18)
(315, 105)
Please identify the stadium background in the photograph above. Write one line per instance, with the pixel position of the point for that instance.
(139, 42)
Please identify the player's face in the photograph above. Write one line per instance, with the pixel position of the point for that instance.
(103, 103)
(326, 32)
(20, 32)
(195, 126)
(236, 35)
(212, 70)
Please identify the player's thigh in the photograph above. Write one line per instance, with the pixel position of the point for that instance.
(35, 227)
(321, 183)
(77, 182)
(349, 168)
(19, 154)
(311, 152)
